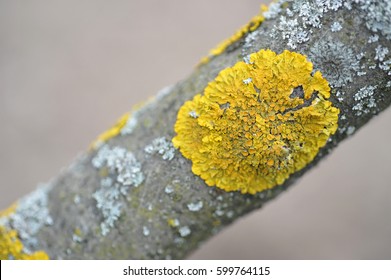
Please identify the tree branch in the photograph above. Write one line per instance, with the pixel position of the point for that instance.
(135, 196)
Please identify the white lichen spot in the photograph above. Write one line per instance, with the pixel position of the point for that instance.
(121, 164)
(246, 59)
(333, 5)
(146, 231)
(291, 31)
(230, 214)
(161, 146)
(360, 56)
(381, 52)
(348, 5)
(388, 84)
(107, 200)
(195, 206)
(193, 114)
(179, 240)
(169, 189)
(249, 42)
(273, 10)
(365, 100)
(289, 12)
(373, 38)
(361, 73)
(106, 182)
(310, 14)
(184, 231)
(385, 65)
(336, 26)
(340, 95)
(364, 92)
(247, 81)
(122, 170)
(350, 130)
(76, 238)
(30, 216)
(219, 212)
(76, 199)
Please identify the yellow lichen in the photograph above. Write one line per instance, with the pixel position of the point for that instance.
(11, 247)
(112, 132)
(254, 23)
(257, 123)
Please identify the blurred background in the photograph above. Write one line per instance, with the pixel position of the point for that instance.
(69, 69)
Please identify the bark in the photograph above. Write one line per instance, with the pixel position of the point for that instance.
(162, 210)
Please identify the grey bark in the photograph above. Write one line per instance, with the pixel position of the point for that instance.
(162, 210)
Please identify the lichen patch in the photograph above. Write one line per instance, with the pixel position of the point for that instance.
(120, 170)
(21, 223)
(161, 146)
(265, 134)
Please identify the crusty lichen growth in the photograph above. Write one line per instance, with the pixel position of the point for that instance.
(119, 170)
(11, 247)
(252, 25)
(257, 123)
(112, 132)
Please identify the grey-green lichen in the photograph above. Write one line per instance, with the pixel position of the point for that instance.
(336, 61)
(161, 146)
(377, 15)
(336, 26)
(365, 100)
(29, 218)
(184, 231)
(119, 170)
(195, 206)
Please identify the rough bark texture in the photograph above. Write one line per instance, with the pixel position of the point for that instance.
(167, 211)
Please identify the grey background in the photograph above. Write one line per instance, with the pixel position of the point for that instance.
(69, 69)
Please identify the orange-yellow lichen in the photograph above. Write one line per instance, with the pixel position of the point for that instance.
(257, 123)
(112, 132)
(252, 25)
(11, 247)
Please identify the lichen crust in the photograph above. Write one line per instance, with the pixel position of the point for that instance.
(252, 25)
(257, 122)
(11, 247)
